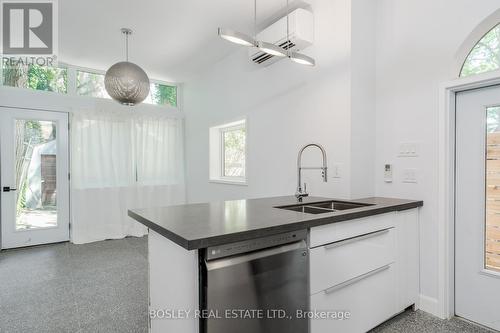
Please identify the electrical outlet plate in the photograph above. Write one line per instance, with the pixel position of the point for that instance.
(410, 176)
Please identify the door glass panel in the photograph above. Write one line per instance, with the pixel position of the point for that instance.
(35, 166)
(492, 236)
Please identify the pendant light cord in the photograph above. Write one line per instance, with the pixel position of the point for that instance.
(255, 20)
(287, 29)
(126, 46)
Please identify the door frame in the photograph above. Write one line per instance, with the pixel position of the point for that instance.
(446, 185)
(61, 110)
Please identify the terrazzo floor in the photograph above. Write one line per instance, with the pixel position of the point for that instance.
(102, 287)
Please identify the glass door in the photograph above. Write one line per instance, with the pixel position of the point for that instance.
(477, 206)
(34, 177)
(492, 228)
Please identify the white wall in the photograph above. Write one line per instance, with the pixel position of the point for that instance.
(416, 46)
(286, 106)
(363, 43)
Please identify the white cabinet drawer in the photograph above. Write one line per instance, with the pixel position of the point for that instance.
(370, 299)
(347, 229)
(338, 262)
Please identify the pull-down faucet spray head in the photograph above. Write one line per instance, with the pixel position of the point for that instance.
(300, 193)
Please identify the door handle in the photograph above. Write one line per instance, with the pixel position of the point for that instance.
(355, 239)
(356, 279)
(235, 260)
(8, 189)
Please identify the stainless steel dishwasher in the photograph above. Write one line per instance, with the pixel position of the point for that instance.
(256, 286)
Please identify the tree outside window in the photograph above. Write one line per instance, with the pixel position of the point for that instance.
(36, 77)
(485, 56)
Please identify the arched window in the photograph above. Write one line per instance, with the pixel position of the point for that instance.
(485, 55)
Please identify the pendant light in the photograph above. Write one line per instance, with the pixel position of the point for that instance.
(271, 49)
(236, 37)
(301, 59)
(268, 48)
(295, 56)
(245, 40)
(126, 82)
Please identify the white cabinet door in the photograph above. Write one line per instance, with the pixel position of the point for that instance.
(334, 263)
(370, 299)
(407, 257)
(372, 267)
(352, 228)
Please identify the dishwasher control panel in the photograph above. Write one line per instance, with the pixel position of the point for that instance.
(251, 245)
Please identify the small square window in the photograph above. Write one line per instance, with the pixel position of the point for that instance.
(228, 153)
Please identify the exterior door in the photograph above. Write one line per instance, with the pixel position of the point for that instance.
(477, 206)
(34, 181)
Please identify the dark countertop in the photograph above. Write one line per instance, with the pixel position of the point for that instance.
(196, 226)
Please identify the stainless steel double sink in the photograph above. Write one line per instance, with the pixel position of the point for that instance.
(324, 207)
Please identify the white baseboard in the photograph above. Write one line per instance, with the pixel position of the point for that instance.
(429, 305)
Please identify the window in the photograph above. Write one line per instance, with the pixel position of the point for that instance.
(88, 83)
(492, 229)
(92, 84)
(228, 153)
(36, 77)
(126, 149)
(161, 94)
(485, 56)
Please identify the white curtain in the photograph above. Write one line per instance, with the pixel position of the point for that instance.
(122, 159)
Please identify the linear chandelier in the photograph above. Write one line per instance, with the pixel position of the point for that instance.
(266, 47)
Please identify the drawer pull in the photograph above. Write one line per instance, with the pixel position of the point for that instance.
(355, 239)
(356, 279)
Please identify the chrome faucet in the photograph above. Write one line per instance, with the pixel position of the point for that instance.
(302, 192)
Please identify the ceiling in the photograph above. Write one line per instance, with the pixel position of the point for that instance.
(172, 40)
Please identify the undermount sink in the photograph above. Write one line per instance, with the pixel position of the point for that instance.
(324, 207)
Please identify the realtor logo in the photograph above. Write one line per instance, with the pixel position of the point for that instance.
(28, 28)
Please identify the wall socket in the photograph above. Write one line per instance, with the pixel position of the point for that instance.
(410, 176)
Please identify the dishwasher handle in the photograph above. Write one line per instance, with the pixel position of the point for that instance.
(238, 259)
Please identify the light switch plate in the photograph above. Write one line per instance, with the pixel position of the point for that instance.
(336, 171)
(408, 149)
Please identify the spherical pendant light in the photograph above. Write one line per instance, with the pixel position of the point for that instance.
(126, 82)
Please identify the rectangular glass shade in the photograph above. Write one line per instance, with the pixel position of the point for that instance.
(233, 142)
(492, 229)
(36, 77)
(36, 181)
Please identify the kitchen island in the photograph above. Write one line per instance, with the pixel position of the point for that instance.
(362, 255)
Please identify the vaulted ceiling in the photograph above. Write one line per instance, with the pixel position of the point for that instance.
(172, 40)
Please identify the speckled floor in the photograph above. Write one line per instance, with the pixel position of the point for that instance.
(102, 287)
(97, 287)
(421, 322)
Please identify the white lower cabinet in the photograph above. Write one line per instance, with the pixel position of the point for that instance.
(366, 269)
(369, 300)
(334, 263)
